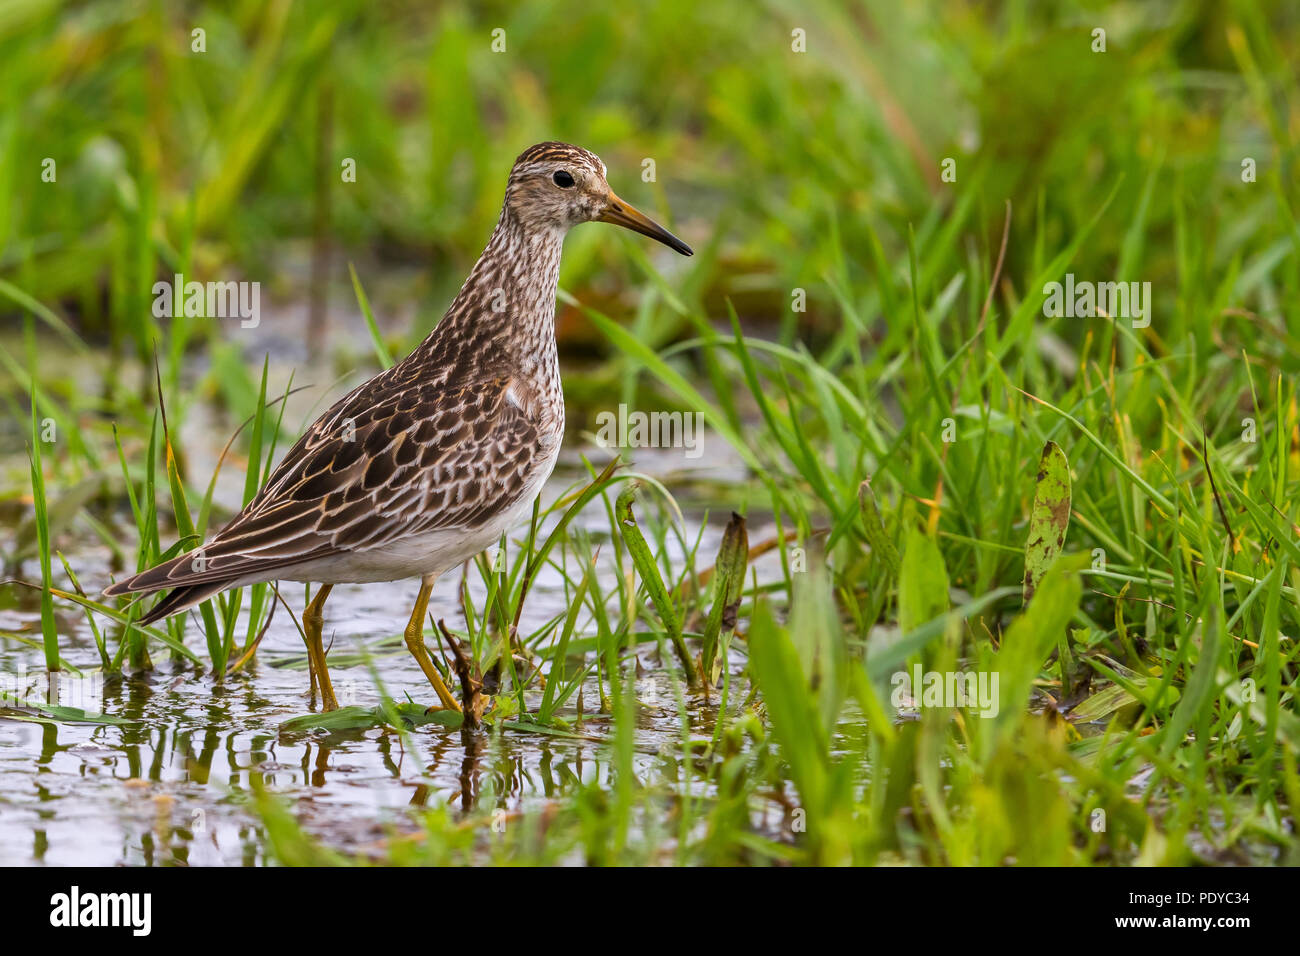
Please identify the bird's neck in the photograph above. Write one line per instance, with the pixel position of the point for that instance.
(505, 311)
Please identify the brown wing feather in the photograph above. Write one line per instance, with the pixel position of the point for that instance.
(391, 459)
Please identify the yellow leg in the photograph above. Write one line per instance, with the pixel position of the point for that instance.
(415, 644)
(313, 621)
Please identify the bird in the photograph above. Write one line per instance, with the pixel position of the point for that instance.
(426, 464)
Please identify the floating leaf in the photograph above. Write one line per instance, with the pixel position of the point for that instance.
(1105, 702)
(363, 718)
(529, 727)
(14, 709)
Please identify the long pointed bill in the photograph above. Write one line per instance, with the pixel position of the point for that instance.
(621, 214)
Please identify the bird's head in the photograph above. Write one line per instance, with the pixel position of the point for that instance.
(559, 185)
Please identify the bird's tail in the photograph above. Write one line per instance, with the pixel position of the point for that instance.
(179, 600)
(163, 576)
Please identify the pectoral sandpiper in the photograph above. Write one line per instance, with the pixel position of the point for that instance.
(426, 464)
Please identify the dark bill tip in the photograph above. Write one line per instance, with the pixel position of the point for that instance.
(622, 214)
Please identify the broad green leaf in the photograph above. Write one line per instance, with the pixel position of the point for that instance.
(791, 706)
(1031, 637)
(922, 582)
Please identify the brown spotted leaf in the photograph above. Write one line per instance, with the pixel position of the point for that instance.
(1050, 517)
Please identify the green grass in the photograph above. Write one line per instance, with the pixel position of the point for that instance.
(866, 338)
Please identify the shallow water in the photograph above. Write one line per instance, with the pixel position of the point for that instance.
(171, 785)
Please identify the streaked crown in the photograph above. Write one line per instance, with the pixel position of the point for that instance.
(557, 185)
(554, 186)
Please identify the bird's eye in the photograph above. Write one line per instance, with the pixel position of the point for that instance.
(562, 178)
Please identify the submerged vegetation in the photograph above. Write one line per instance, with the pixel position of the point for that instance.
(912, 463)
